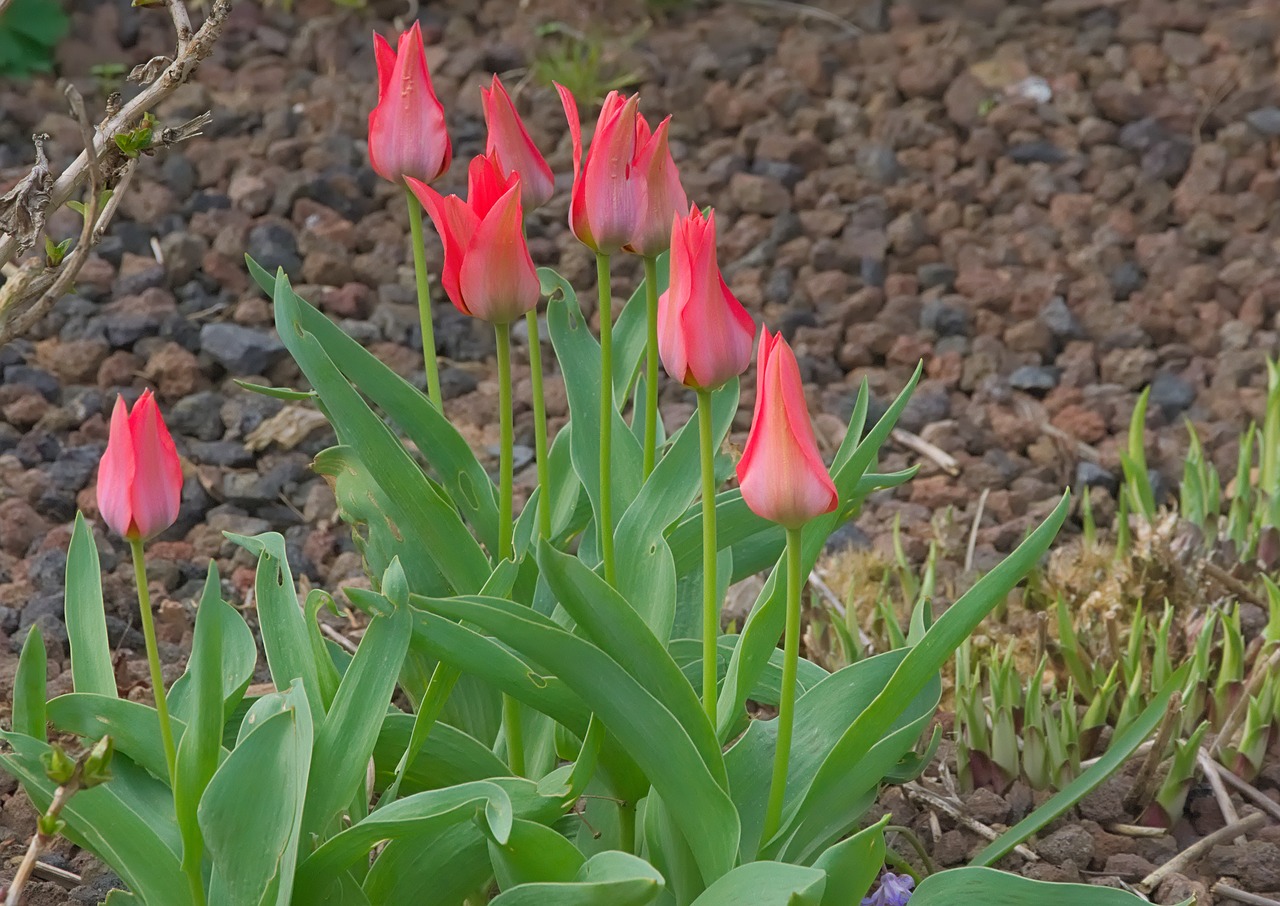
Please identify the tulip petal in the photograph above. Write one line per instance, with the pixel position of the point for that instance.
(385, 59)
(509, 140)
(609, 190)
(157, 488)
(116, 473)
(486, 183)
(781, 475)
(455, 223)
(498, 279)
(658, 189)
(407, 135)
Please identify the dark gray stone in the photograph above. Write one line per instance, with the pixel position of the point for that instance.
(47, 570)
(1171, 393)
(1265, 119)
(48, 603)
(226, 453)
(37, 379)
(1127, 279)
(936, 273)
(52, 631)
(944, 319)
(197, 416)
(1037, 153)
(239, 349)
(878, 163)
(1059, 319)
(273, 245)
(1035, 378)
(1091, 475)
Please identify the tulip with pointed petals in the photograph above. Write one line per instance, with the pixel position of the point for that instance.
(516, 152)
(605, 207)
(660, 196)
(407, 136)
(140, 477)
(704, 333)
(488, 272)
(781, 474)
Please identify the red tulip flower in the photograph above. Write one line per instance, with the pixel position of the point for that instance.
(704, 333)
(781, 474)
(407, 136)
(516, 152)
(488, 272)
(605, 207)
(660, 196)
(140, 477)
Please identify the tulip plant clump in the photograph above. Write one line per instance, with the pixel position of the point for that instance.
(543, 708)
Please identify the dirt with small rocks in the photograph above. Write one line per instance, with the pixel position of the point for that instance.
(1050, 204)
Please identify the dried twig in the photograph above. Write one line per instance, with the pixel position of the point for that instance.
(1147, 782)
(973, 529)
(1135, 830)
(1261, 671)
(1199, 848)
(1243, 896)
(122, 117)
(916, 791)
(1220, 794)
(935, 454)
(338, 637)
(805, 11)
(834, 602)
(1250, 792)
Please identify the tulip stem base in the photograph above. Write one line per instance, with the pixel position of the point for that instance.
(787, 699)
(710, 600)
(503, 337)
(539, 425)
(606, 418)
(424, 302)
(651, 366)
(513, 733)
(153, 657)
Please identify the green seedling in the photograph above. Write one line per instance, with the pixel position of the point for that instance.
(137, 141)
(1172, 795)
(54, 252)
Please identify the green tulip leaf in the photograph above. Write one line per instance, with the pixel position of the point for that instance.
(606, 879)
(767, 884)
(31, 686)
(533, 854)
(852, 865)
(235, 654)
(133, 726)
(86, 619)
(998, 888)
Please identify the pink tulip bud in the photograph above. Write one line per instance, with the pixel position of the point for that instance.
(660, 194)
(516, 152)
(140, 477)
(605, 207)
(488, 272)
(781, 474)
(704, 333)
(407, 136)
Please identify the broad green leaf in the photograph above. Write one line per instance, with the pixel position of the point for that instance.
(917, 670)
(344, 742)
(533, 853)
(280, 393)
(643, 725)
(135, 727)
(374, 518)
(447, 757)
(997, 888)
(236, 652)
(852, 865)
(441, 867)
(127, 822)
(30, 686)
(687, 654)
(463, 647)
(606, 879)
(119, 897)
(669, 851)
(280, 620)
(767, 884)
(618, 630)
(326, 669)
(91, 669)
(823, 714)
(1121, 747)
(425, 516)
(646, 567)
(579, 357)
(251, 811)
(447, 451)
(201, 744)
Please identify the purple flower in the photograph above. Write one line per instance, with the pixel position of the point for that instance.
(894, 890)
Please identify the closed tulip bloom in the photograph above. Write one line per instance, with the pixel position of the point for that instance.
(407, 136)
(604, 210)
(704, 333)
(781, 474)
(660, 196)
(516, 152)
(488, 272)
(140, 477)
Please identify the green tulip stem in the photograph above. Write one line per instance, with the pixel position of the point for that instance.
(503, 335)
(606, 418)
(539, 425)
(651, 366)
(424, 301)
(787, 700)
(627, 826)
(710, 604)
(153, 657)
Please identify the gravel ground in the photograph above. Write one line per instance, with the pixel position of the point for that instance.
(1051, 204)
